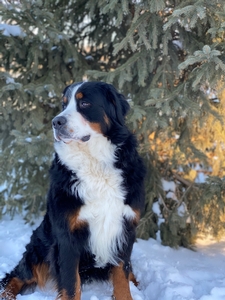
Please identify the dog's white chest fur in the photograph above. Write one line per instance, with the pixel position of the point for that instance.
(100, 187)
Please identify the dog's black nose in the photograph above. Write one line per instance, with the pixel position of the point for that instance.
(58, 122)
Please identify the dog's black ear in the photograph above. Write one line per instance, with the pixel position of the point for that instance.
(119, 102)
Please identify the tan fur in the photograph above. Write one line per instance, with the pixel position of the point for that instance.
(137, 216)
(96, 127)
(77, 296)
(41, 274)
(121, 289)
(106, 119)
(133, 279)
(12, 289)
(74, 222)
(79, 96)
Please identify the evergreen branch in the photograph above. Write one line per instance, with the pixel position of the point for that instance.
(134, 26)
(219, 64)
(183, 180)
(163, 203)
(156, 6)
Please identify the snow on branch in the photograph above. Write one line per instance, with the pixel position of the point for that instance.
(13, 30)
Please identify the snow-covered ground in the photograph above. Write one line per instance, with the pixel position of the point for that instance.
(163, 273)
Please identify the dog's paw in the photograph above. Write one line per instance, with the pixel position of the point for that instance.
(6, 296)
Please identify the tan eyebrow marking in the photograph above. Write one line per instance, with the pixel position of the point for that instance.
(79, 95)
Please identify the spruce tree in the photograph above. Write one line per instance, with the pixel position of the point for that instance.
(167, 57)
(38, 60)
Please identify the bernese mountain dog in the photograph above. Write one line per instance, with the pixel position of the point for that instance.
(95, 199)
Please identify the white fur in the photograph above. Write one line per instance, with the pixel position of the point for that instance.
(100, 188)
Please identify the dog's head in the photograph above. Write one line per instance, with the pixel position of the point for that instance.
(89, 109)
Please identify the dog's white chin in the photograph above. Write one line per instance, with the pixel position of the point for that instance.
(70, 140)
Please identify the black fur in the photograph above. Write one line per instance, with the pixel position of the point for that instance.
(53, 243)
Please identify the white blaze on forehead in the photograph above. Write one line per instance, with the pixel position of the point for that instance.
(71, 91)
(70, 95)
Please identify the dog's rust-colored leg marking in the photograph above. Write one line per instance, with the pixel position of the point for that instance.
(15, 285)
(77, 286)
(133, 279)
(137, 216)
(121, 289)
(74, 222)
(12, 289)
(77, 291)
(63, 295)
(41, 274)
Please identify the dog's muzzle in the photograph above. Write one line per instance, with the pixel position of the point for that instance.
(61, 132)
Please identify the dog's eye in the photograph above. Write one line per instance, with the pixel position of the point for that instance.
(64, 105)
(84, 104)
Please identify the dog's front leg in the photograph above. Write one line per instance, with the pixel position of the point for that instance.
(120, 279)
(69, 284)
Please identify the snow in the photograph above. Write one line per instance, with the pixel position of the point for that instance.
(89, 57)
(163, 273)
(201, 177)
(178, 43)
(170, 188)
(13, 30)
(28, 140)
(156, 209)
(182, 209)
(9, 80)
